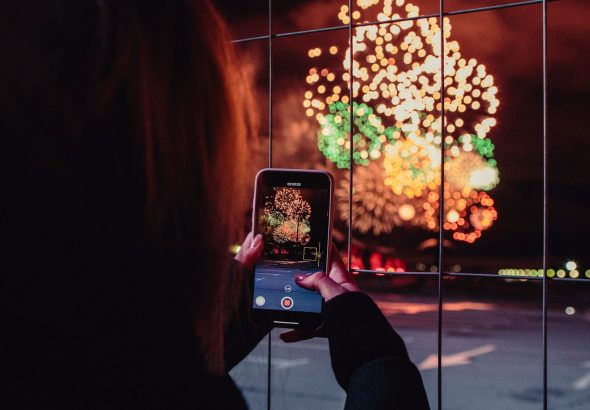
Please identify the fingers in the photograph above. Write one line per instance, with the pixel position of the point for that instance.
(256, 242)
(251, 251)
(322, 283)
(248, 241)
(337, 261)
(338, 271)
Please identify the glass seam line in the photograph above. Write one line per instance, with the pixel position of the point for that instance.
(350, 133)
(270, 122)
(545, 202)
(441, 205)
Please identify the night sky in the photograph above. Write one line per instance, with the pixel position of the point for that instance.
(509, 43)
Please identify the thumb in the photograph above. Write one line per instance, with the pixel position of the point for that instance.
(322, 283)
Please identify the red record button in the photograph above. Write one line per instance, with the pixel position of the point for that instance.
(287, 302)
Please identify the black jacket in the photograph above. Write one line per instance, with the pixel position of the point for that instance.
(369, 358)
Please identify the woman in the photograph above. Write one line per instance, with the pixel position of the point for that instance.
(123, 156)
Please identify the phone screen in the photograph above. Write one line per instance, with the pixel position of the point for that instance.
(292, 212)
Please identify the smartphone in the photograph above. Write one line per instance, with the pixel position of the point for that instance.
(293, 213)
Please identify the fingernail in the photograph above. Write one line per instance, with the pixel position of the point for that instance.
(299, 278)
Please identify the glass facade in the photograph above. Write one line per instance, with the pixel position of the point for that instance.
(455, 131)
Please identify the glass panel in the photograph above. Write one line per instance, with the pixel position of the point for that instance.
(298, 16)
(245, 19)
(568, 299)
(250, 375)
(494, 169)
(252, 59)
(309, 80)
(457, 5)
(410, 303)
(568, 358)
(306, 70)
(396, 181)
(308, 76)
(492, 344)
(289, 16)
(568, 167)
(369, 11)
(302, 376)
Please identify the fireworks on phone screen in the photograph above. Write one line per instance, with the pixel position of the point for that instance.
(293, 222)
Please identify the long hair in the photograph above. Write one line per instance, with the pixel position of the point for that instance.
(153, 85)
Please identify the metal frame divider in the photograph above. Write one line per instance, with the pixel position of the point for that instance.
(545, 201)
(350, 132)
(270, 36)
(441, 204)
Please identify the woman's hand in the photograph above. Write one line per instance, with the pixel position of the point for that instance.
(250, 251)
(336, 282)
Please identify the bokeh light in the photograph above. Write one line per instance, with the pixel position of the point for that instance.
(396, 108)
(375, 207)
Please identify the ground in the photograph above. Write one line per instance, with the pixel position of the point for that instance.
(492, 351)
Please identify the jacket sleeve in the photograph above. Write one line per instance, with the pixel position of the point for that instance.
(242, 334)
(369, 358)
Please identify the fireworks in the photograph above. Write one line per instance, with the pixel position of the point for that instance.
(375, 207)
(287, 215)
(412, 167)
(396, 83)
(467, 213)
(333, 138)
(290, 202)
(291, 231)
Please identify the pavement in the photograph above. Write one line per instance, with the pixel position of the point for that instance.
(492, 352)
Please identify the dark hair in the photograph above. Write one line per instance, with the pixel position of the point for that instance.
(144, 96)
